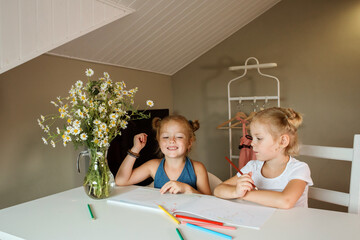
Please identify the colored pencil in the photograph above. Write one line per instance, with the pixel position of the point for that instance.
(199, 219)
(91, 214)
(209, 231)
(179, 234)
(206, 225)
(232, 164)
(172, 217)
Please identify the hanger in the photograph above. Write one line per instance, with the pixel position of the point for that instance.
(248, 119)
(237, 116)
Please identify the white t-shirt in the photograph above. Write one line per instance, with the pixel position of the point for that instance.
(294, 170)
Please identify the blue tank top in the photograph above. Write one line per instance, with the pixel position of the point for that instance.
(187, 175)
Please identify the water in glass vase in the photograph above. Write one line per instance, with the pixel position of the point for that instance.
(98, 181)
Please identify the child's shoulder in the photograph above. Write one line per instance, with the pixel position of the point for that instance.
(197, 164)
(154, 163)
(297, 164)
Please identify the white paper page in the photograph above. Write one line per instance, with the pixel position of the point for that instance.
(232, 213)
(151, 197)
(209, 207)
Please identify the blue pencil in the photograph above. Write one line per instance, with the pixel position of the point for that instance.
(209, 231)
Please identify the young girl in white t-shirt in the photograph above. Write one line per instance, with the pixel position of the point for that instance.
(283, 181)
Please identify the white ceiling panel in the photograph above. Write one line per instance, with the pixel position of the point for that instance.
(163, 36)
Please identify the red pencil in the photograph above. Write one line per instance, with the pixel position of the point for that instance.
(232, 164)
(199, 220)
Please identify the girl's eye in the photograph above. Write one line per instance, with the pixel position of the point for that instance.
(165, 137)
(179, 137)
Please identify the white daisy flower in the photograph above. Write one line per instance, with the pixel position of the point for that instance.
(75, 131)
(59, 99)
(150, 103)
(123, 124)
(89, 72)
(104, 143)
(100, 135)
(79, 84)
(76, 123)
(106, 75)
(52, 143)
(83, 136)
(112, 123)
(54, 103)
(113, 116)
(83, 98)
(45, 142)
(40, 124)
(103, 86)
(103, 126)
(110, 102)
(80, 113)
(58, 130)
(97, 122)
(101, 109)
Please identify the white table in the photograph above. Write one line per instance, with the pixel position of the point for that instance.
(65, 216)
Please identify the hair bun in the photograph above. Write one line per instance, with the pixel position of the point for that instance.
(156, 123)
(195, 125)
(293, 117)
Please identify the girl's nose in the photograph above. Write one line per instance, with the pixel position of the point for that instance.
(172, 139)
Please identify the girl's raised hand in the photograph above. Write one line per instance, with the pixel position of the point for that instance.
(174, 187)
(139, 142)
(243, 185)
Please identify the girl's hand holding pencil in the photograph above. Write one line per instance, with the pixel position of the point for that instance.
(244, 184)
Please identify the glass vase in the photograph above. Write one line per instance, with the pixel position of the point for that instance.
(98, 181)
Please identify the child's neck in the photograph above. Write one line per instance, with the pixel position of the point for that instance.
(175, 162)
(275, 167)
(174, 167)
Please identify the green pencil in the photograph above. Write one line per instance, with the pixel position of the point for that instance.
(92, 216)
(180, 236)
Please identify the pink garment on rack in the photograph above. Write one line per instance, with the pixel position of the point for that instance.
(246, 151)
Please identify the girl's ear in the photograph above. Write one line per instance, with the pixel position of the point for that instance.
(284, 140)
(190, 144)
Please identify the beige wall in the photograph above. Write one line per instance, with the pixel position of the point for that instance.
(28, 168)
(316, 45)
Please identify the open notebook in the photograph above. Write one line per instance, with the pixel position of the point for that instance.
(209, 207)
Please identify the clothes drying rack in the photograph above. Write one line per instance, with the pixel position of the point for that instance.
(246, 67)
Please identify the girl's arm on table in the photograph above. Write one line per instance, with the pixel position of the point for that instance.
(202, 177)
(235, 187)
(284, 200)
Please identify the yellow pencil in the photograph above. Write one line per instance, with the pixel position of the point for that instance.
(173, 218)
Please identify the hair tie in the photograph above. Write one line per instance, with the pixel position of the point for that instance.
(191, 122)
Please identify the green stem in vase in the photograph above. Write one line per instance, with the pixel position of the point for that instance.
(98, 181)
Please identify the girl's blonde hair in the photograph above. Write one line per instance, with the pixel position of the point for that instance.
(190, 126)
(281, 121)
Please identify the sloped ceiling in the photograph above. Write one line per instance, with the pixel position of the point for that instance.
(163, 36)
(29, 28)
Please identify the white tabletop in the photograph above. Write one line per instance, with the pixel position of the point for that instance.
(65, 216)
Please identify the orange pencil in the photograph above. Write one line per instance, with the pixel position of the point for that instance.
(232, 164)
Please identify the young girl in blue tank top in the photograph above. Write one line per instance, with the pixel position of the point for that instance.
(175, 173)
